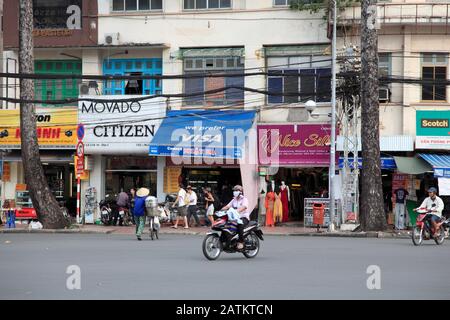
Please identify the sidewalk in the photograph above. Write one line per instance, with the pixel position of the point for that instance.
(166, 229)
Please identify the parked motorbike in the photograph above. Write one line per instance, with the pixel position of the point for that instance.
(124, 216)
(423, 228)
(106, 210)
(224, 237)
(173, 212)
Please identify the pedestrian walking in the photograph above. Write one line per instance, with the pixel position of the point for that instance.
(192, 206)
(182, 201)
(139, 211)
(212, 203)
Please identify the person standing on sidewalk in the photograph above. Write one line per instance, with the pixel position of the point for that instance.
(182, 201)
(139, 211)
(212, 203)
(400, 208)
(192, 206)
(132, 198)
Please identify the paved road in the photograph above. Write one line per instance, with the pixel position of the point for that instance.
(119, 267)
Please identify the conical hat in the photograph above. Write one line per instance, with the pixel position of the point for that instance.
(143, 192)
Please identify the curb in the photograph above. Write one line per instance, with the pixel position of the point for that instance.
(380, 235)
(52, 231)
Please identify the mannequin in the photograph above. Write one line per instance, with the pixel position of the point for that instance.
(285, 199)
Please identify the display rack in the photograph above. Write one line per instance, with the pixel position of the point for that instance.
(90, 205)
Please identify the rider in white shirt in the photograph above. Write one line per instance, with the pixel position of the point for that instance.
(435, 205)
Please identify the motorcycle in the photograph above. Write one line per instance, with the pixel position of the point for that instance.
(106, 210)
(224, 237)
(173, 212)
(124, 216)
(423, 228)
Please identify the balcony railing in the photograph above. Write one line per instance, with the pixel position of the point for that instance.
(401, 14)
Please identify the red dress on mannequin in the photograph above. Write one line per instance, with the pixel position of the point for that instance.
(285, 201)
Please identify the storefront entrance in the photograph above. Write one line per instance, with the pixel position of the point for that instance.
(220, 180)
(302, 183)
(124, 173)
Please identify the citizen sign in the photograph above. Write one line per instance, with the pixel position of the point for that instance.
(120, 124)
(434, 123)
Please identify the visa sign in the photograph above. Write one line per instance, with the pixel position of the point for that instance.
(208, 138)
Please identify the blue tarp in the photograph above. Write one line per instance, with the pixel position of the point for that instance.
(202, 133)
(440, 164)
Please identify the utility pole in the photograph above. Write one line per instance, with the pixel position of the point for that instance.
(372, 212)
(333, 123)
(1, 51)
(48, 211)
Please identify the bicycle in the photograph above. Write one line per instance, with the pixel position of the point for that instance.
(154, 227)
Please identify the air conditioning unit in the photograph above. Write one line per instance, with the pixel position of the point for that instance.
(383, 93)
(112, 39)
(88, 88)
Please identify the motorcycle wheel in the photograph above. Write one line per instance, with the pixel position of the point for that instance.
(417, 236)
(212, 247)
(440, 240)
(253, 238)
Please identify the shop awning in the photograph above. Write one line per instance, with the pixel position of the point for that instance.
(387, 163)
(440, 164)
(203, 133)
(412, 165)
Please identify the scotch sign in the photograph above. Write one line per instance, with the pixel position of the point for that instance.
(434, 123)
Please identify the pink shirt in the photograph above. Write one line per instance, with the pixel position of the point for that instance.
(238, 203)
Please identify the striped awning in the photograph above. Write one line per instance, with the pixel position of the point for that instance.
(440, 164)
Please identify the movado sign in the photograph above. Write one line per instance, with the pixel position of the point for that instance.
(433, 130)
(120, 127)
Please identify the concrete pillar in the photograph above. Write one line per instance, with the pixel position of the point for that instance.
(254, 61)
(161, 164)
(172, 66)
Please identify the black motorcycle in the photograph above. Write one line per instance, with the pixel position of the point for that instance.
(224, 237)
(106, 210)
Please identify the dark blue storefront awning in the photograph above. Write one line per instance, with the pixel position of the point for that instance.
(203, 133)
(387, 163)
(440, 164)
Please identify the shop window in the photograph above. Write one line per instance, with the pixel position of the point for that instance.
(384, 64)
(199, 65)
(133, 67)
(50, 89)
(314, 82)
(206, 4)
(434, 68)
(136, 5)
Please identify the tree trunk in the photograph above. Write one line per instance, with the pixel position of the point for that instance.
(44, 202)
(372, 211)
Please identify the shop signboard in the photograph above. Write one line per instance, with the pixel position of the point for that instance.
(294, 144)
(6, 175)
(55, 128)
(117, 126)
(433, 130)
(171, 175)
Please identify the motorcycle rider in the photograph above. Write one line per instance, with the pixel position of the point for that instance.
(240, 204)
(434, 205)
(122, 202)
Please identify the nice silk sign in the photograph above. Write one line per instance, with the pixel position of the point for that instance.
(114, 127)
(300, 144)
